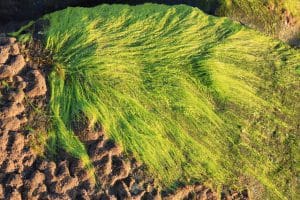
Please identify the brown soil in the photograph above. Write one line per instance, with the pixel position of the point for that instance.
(26, 174)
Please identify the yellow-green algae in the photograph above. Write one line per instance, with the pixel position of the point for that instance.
(194, 97)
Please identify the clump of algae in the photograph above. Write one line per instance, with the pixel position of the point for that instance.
(194, 97)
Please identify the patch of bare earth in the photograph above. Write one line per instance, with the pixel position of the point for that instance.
(25, 174)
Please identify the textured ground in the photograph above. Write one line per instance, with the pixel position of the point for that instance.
(24, 174)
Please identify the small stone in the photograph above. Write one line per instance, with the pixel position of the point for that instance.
(14, 110)
(40, 87)
(17, 97)
(10, 166)
(19, 79)
(15, 195)
(11, 124)
(18, 143)
(7, 40)
(14, 49)
(16, 66)
(28, 160)
(22, 85)
(1, 192)
(15, 181)
(4, 54)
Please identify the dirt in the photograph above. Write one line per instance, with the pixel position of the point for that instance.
(27, 174)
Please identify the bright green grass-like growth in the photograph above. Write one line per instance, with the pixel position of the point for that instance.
(194, 97)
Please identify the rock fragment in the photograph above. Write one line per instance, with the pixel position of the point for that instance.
(12, 69)
(4, 54)
(40, 87)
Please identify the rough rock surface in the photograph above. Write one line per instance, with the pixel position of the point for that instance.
(24, 174)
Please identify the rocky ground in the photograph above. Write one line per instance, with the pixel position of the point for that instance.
(25, 173)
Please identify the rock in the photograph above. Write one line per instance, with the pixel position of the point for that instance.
(28, 160)
(40, 87)
(36, 185)
(14, 110)
(15, 195)
(12, 124)
(1, 192)
(9, 166)
(120, 190)
(14, 49)
(3, 154)
(91, 135)
(75, 167)
(65, 184)
(7, 40)
(4, 54)
(62, 169)
(18, 143)
(15, 181)
(203, 194)
(22, 85)
(50, 171)
(84, 195)
(16, 97)
(13, 69)
(180, 193)
(43, 165)
(37, 178)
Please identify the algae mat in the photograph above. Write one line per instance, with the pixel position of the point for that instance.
(194, 97)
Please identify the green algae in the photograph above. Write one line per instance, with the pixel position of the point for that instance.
(194, 97)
